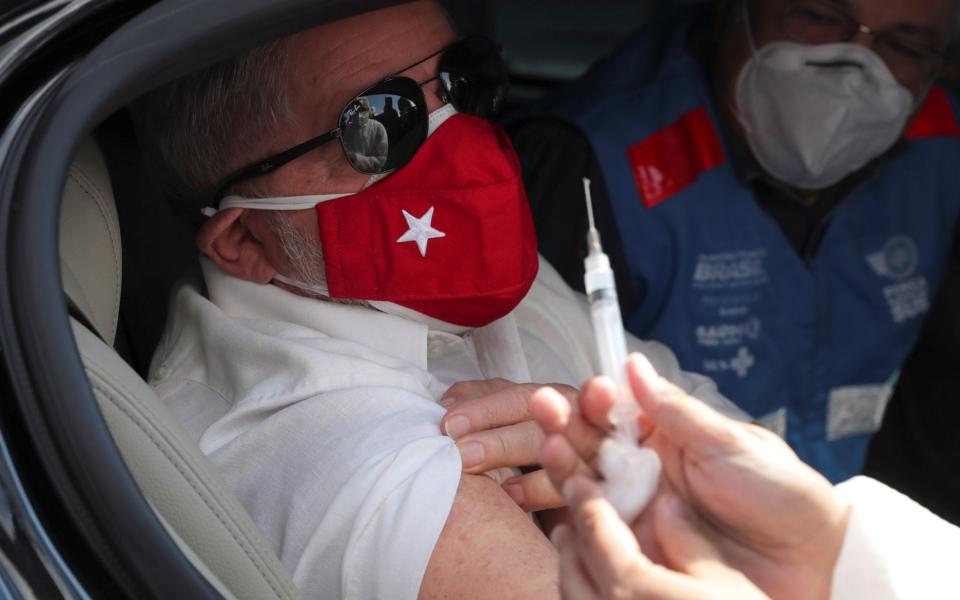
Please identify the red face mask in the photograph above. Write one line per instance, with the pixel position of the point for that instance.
(449, 235)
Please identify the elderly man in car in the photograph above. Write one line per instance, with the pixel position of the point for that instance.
(342, 297)
(776, 182)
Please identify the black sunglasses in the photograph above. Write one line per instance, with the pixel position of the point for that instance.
(382, 127)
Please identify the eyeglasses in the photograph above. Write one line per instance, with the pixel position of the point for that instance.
(382, 127)
(911, 55)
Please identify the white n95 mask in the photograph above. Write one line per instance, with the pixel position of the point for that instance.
(814, 114)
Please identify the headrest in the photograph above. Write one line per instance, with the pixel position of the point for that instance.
(90, 258)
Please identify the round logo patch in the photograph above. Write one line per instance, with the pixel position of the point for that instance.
(897, 260)
(900, 256)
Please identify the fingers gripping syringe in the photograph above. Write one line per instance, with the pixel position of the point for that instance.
(608, 328)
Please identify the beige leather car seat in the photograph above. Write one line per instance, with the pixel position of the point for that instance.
(204, 518)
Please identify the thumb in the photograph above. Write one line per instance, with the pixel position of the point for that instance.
(607, 546)
(676, 414)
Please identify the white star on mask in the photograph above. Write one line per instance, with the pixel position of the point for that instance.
(420, 230)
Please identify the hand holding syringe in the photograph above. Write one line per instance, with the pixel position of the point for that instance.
(632, 473)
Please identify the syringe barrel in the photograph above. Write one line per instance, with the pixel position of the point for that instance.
(598, 276)
(608, 329)
(612, 352)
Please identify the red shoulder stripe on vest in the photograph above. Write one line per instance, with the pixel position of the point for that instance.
(936, 118)
(673, 158)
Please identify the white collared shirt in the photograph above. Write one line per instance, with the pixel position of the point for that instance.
(323, 417)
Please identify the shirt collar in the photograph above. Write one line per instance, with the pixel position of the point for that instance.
(394, 336)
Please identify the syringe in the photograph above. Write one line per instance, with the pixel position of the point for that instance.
(608, 328)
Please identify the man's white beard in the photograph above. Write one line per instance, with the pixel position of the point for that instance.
(305, 255)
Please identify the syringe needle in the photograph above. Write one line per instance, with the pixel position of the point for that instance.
(589, 198)
(593, 236)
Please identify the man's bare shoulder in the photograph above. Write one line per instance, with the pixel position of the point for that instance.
(490, 548)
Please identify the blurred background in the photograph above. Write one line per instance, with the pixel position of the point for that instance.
(547, 42)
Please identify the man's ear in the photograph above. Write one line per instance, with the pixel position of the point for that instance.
(227, 240)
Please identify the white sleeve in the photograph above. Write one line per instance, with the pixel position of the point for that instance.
(894, 548)
(352, 487)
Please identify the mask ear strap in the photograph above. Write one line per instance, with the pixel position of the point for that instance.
(439, 117)
(278, 203)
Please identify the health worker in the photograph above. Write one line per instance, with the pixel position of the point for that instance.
(776, 183)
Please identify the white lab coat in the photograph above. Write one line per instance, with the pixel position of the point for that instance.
(894, 548)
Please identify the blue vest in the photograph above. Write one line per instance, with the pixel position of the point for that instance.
(812, 350)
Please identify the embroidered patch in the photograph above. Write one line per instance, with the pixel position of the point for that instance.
(421, 231)
(673, 158)
(908, 299)
(897, 260)
(731, 270)
(909, 296)
(739, 364)
(936, 118)
(857, 409)
(728, 334)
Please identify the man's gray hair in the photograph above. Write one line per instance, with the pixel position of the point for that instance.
(198, 129)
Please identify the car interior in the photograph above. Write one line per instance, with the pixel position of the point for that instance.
(209, 524)
(122, 251)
